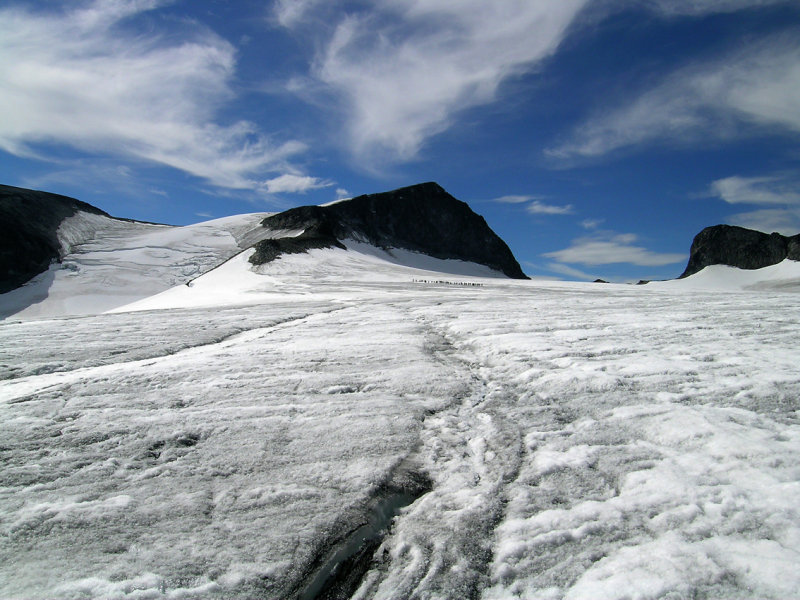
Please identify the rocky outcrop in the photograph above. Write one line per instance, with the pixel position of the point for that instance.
(316, 236)
(29, 222)
(422, 218)
(740, 247)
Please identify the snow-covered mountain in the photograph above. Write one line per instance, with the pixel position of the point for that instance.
(95, 262)
(29, 240)
(110, 262)
(421, 218)
(741, 248)
(362, 422)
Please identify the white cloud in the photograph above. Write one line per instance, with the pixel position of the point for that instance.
(781, 220)
(535, 206)
(754, 89)
(402, 69)
(342, 194)
(515, 199)
(291, 12)
(540, 208)
(569, 271)
(82, 78)
(703, 7)
(293, 184)
(782, 190)
(607, 248)
(591, 223)
(757, 190)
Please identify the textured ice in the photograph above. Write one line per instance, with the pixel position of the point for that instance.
(108, 262)
(582, 441)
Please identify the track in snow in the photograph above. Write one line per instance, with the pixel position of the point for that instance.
(579, 443)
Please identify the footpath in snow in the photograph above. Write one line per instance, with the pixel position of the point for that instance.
(548, 441)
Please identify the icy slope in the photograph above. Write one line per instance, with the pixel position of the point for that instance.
(237, 282)
(110, 262)
(782, 276)
(579, 441)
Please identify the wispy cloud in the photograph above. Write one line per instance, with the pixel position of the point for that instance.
(563, 269)
(534, 204)
(540, 208)
(774, 189)
(610, 248)
(85, 78)
(752, 90)
(515, 199)
(401, 70)
(293, 184)
(289, 13)
(703, 7)
(782, 191)
(591, 223)
(781, 220)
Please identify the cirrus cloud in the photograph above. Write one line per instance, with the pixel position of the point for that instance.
(293, 184)
(607, 248)
(704, 7)
(773, 189)
(401, 70)
(540, 208)
(754, 89)
(85, 78)
(780, 191)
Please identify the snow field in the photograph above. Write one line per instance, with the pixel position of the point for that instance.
(109, 262)
(582, 441)
(227, 466)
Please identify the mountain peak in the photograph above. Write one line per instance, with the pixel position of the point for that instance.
(422, 218)
(739, 247)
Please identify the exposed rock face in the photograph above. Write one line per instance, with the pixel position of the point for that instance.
(316, 236)
(423, 218)
(29, 221)
(740, 247)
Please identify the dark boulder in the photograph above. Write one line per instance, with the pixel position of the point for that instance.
(739, 247)
(423, 218)
(29, 222)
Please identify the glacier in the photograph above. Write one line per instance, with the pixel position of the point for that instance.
(227, 438)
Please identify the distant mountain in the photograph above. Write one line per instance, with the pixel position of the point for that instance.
(422, 218)
(29, 221)
(60, 256)
(739, 247)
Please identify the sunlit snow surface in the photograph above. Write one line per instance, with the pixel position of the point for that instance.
(110, 262)
(583, 441)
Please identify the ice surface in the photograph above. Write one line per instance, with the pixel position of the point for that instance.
(109, 262)
(582, 441)
(225, 439)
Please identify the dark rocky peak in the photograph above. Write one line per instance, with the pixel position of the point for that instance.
(740, 247)
(423, 218)
(29, 222)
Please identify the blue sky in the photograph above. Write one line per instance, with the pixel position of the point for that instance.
(596, 136)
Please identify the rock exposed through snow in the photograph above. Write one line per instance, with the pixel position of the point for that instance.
(422, 218)
(739, 247)
(29, 222)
